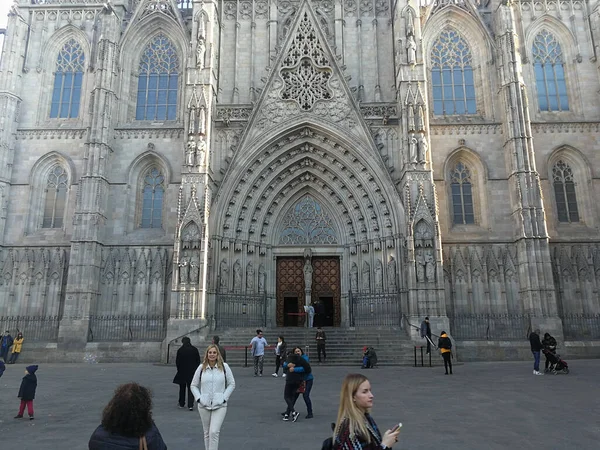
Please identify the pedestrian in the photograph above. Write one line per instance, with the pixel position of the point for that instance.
(17, 347)
(536, 348)
(280, 355)
(445, 346)
(426, 332)
(5, 343)
(308, 383)
(127, 422)
(549, 344)
(311, 315)
(187, 361)
(321, 338)
(294, 379)
(2, 368)
(355, 428)
(258, 344)
(27, 392)
(216, 340)
(212, 386)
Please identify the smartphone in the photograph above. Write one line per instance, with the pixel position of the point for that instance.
(397, 427)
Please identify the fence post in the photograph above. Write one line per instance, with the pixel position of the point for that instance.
(245, 356)
(415, 348)
(430, 359)
(422, 363)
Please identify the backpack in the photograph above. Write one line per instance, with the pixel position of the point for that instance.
(328, 443)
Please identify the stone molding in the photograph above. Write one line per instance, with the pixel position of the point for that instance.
(462, 129)
(54, 133)
(148, 133)
(233, 113)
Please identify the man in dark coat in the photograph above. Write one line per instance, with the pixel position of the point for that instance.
(536, 348)
(27, 392)
(426, 333)
(216, 340)
(187, 361)
(5, 344)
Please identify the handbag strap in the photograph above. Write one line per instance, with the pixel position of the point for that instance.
(143, 443)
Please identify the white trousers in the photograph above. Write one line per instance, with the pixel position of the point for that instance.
(211, 423)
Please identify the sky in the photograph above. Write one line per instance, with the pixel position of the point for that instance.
(4, 7)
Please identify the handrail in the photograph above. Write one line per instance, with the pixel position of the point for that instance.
(418, 328)
(185, 334)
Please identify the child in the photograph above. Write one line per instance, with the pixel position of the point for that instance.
(27, 392)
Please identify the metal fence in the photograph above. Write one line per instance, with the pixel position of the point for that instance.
(34, 328)
(241, 310)
(375, 309)
(581, 326)
(480, 327)
(127, 328)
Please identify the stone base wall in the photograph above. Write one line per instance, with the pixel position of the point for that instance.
(472, 351)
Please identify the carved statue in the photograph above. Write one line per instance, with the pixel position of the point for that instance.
(429, 266)
(194, 270)
(420, 261)
(261, 278)
(237, 275)
(202, 121)
(250, 276)
(413, 148)
(200, 52)
(224, 274)
(201, 153)
(422, 148)
(411, 49)
(190, 152)
(354, 277)
(391, 274)
(184, 269)
(366, 277)
(410, 24)
(378, 275)
(308, 273)
(192, 124)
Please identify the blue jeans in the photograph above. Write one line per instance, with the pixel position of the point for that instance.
(536, 361)
(306, 396)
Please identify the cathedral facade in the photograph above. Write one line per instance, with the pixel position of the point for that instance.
(175, 164)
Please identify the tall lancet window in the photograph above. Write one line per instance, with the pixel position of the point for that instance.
(158, 81)
(564, 191)
(549, 73)
(152, 199)
(56, 198)
(66, 95)
(462, 195)
(452, 75)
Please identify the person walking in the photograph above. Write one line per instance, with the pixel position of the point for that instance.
(127, 422)
(2, 368)
(216, 340)
(445, 346)
(187, 361)
(549, 344)
(280, 355)
(536, 348)
(258, 344)
(355, 428)
(321, 338)
(308, 383)
(27, 391)
(17, 347)
(426, 333)
(294, 379)
(5, 343)
(212, 386)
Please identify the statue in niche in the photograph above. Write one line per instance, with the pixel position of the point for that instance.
(422, 148)
(237, 275)
(378, 275)
(410, 23)
(354, 277)
(192, 119)
(261, 278)
(202, 121)
(201, 45)
(201, 152)
(194, 270)
(391, 274)
(429, 266)
(184, 269)
(420, 262)
(224, 275)
(190, 152)
(308, 273)
(366, 277)
(250, 276)
(413, 145)
(411, 49)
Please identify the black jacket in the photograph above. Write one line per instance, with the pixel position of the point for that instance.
(297, 377)
(104, 440)
(28, 387)
(549, 343)
(223, 352)
(188, 360)
(534, 341)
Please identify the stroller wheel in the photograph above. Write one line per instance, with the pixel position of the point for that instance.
(554, 372)
(566, 370)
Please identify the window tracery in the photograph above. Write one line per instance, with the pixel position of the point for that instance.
(307, 223)
(66, 93)
(564, 192)
(549, 70)
(462, 195)
(152, 199)
(55, 198)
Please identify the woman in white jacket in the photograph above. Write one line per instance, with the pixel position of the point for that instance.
(212, 385)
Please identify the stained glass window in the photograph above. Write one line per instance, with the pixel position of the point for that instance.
(66, 95)
(564, 191)
(462, 195)
(307, 223)
(158, 81)
(152, 199)
(55, 198)
(452, 75)
(549, 73)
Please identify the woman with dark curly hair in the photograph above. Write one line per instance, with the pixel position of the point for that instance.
(127, 422)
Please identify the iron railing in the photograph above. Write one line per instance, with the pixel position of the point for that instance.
(140, 328)
(34, 328)
(480, 327)
(375, 309)
(240, 310)
(581, 326)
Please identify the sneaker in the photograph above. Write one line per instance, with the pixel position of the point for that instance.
(275, 375)
(260, 375)
(286, 418)
(283, 414)
(255, 374)
(283, 376)
(309, 416)
(535, 372)
(18, 416)
(191, 408)
(31, 418)
(180, 406)
(295, 415)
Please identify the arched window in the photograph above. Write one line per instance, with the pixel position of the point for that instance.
(158, 81)
(462, 195)
(564, 191)
(452, 75)
(307, 223)
(56, 198)
(549, 73)
(68, 77)
(152, 199)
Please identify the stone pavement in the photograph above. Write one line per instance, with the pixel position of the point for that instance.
(483, 405)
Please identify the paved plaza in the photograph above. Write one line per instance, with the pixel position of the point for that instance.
(483, 405)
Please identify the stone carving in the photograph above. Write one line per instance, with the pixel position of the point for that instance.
(420, 266)
(250, 277)
(391, 274)
(411, 50)
(201, 152)
(413, 148)
(378, 275)
(308, 273)
(184, 269)
(202, 121)
(429, 266)
(224, 275)
(261, 278)
(422, 148)
(201, 42)
(354, 277)
(190, 152)
(237, 275)
(366, 277)
(194, 270)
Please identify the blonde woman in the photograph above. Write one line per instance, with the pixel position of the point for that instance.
(212, 385)
(355, 428)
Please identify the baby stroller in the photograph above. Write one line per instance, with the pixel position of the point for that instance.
(369, 358)
(556, 363)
